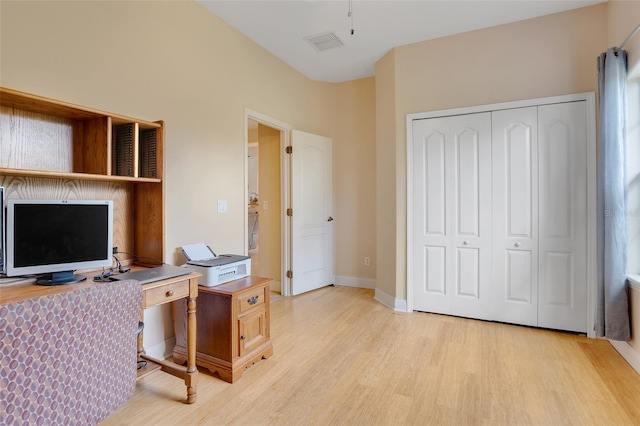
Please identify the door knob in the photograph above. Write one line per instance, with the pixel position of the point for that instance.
(329, 219)
(466, 243)
(517, 244)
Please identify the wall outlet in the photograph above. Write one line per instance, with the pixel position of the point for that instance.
(367, 261)
(222, 206)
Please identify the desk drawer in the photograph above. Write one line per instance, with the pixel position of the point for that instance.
(250, 300)
(166, 293)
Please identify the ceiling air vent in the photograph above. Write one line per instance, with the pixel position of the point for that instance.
(324, 41)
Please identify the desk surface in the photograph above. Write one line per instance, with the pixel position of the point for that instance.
(24, 289)
(27, 288)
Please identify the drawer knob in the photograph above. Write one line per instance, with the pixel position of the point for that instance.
(253, 300)
(244, 336)
(170, 293)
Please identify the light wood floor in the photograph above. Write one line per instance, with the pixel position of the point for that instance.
(342, 358)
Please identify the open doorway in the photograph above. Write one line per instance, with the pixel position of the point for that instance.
(265, 233)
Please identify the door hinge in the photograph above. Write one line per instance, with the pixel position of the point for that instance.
(289, 149)
(289, 274)
(289, 212)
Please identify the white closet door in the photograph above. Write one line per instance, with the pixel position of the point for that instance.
(471, 216)
(515, 215)
(452, 215)
(431, 222)
(562, 302)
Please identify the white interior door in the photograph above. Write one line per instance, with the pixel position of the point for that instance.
(452, 215)
(562, 147)
(515, 215)
(312, 205)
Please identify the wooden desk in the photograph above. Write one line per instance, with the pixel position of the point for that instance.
(153, 294)
(166, 291)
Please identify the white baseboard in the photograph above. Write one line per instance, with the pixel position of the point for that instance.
(398, 305)
(628, 353)
(355, 282)
(162, 350)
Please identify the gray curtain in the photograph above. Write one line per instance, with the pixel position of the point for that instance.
(613, 312)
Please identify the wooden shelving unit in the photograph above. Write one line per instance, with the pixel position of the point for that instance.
(57, 150)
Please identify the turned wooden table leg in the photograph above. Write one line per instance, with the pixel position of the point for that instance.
(140, 336)
(191, 351)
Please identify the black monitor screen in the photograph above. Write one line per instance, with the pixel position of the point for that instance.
(47, 234)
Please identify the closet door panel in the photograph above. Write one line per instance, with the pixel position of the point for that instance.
(563, 223)
(515, 221)
(452, 215)
(431, 223)
(468, 273)
(520, 270)
(471, 242)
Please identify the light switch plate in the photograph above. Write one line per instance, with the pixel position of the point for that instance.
(222, 206)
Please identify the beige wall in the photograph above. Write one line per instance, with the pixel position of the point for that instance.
(385, 174)
(354, 183)
(177, 62)
(547, 56)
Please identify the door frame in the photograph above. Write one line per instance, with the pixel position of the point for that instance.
(589, 99)
(285, 192)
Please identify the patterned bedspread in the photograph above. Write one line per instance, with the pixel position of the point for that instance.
(69, 358)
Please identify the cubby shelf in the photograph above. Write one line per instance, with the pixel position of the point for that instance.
(75, 176)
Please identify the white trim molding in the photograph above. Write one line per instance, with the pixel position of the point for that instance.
(355, 282)
(634, 281)
(398, 305)
(628, 353)
(285, 131)
(162, 350)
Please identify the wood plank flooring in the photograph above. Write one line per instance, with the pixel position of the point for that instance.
(341, 358)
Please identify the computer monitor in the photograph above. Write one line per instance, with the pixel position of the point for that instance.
(54, 238)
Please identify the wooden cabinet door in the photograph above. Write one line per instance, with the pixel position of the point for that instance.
(251, 331)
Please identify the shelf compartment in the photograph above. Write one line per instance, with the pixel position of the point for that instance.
(124, 150)
(148, 153)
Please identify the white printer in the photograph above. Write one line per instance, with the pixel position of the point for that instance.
(215, 269)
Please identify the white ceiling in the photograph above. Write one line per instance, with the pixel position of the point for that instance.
(280, 27)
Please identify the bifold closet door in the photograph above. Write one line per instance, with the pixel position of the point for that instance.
(540, 216)
(452, 215)
(515, 215)
(562, 280)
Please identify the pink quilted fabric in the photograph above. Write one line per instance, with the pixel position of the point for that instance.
(69, 358)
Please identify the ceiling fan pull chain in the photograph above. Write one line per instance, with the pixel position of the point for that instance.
(350, 15)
